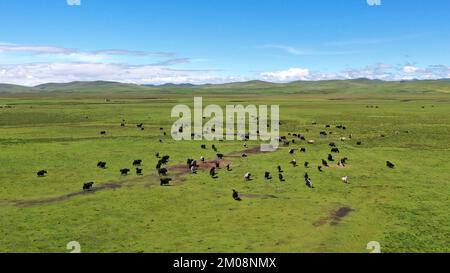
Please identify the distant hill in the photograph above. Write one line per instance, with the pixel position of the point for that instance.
(11, 88)
(84, 87)
(356, 86)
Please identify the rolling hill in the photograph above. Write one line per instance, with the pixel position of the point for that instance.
(357, 86)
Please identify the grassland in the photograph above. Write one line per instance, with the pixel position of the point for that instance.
(406, 209)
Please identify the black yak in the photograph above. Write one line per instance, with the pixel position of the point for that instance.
(212, 172)
(137, 162)
(124, 171)
(165, 181)
(138, 171)
(101, 165)
(335, 150)
(236, 196)
(267, 175)
(88, 186)
(162, 172)
(390, 164)
(41, 173)
(280, 170)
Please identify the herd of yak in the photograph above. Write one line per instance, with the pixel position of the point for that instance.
(192, 165)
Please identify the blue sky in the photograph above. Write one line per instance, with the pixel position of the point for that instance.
(212, 41)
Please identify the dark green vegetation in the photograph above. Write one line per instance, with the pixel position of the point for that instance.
(405, 209)
(359, 86)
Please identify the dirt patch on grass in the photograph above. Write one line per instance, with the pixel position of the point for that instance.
(249, 151)
(258, 196)
(176, 172)
(334, 217)
(182, 169)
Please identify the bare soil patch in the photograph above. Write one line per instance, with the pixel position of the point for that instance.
(334, 217)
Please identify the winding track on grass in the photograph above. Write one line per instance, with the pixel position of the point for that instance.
(179, 171)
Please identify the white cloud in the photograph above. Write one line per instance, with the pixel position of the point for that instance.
(34, 74)
(410, 69)
(38, 73)
(373, 2)
(74, 2)
(54, 50)
(292, 74)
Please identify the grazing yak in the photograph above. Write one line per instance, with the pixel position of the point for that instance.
(311, 141)
(236, 196)
(390, 165)
(324, 163)
(220, 156)
(303, 150)
(345, 179)
(203, 146)
(330, 157)
(162, 172)
(212, 172)
(248, 176)
(103, 133)
(280, 170)
(124, 171)
(137, 162)
(306, 176)
(228, 168)
(140, 125)
(41, 173)
(88, 186)
(138, 171)
(202, 159)
(267, 176)
(165, 181)
(323, 133)
(291, 151)
(294, 163)
(281, 177)
(332, 144)
(335, 150)
(306, 164)
(164, 159)
(101, 165)
(309, 183)
(214, 148)
(342, 162)
(320, 168)
(359, 143)
(244, 155)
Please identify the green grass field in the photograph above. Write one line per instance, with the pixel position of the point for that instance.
(405, 209)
